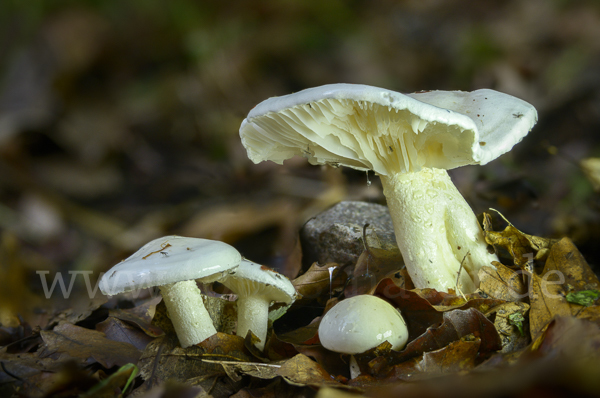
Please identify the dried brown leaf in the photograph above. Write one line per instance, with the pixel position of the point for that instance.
(302, 371)
(141, 316)
(512, 325)
(117, 330)
(88, 346)
(456, 325)
(164, 359)
(568, 263)
(318, 282)
(373, 265)
(418, 313)
(502, 283)
(456, 357)
(565, 270)
(547, 300)
(522, 247)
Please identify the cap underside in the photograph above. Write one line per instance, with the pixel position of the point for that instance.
(375, 129)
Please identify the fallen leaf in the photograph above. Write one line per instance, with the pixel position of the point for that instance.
(117, 330)
(302, 371)
(565, 271)
(88, 346)
(456, 357)
(568, 264)
(318, 282)
(141, 316)
(373, 265)
(547, 300)
(512, 325)
(456, 325)
(522, 247)
(164, 359)
(418, 313)
(502, 283)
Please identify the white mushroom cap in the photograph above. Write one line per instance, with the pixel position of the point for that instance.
(371, 128)
(171, 259)
(256, 287)
(251, 278)
(360, 323)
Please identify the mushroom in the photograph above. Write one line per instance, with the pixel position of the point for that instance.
(256, 286)
(409, 141)
(174, 263)
(360, 323)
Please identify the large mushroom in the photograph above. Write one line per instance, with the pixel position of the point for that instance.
(174, 263)
(409, 141)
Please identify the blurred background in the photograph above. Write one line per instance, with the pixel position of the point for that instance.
(119, 120)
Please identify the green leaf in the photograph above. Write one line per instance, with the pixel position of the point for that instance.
(517, 320)
(584, 297)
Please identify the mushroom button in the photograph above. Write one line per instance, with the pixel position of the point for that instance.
(409, 141)
(174, 263)
(360, 323)
(256, 287)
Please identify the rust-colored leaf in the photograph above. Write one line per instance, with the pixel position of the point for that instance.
(456, 325)
(418, 313)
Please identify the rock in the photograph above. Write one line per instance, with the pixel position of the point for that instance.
(335, 235)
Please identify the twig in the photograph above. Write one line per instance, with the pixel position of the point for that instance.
(458, 275)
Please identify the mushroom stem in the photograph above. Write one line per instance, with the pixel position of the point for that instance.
(435, 230)
(253, 314)
(186, 309)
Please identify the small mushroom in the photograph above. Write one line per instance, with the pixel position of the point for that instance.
(174, 263)
(360, 323)
(256, 286)
(409, 141)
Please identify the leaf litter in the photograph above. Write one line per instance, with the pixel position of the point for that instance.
(514, 325)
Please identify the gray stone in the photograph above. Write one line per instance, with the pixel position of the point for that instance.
(335, 235)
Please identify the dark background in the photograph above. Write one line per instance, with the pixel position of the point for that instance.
(119, 119)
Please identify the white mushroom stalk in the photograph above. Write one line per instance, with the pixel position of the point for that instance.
(409, 141)
(256, 287)
(174, 263)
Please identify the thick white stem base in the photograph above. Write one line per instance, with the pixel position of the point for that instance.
(187, 312)
(253, 314)
(435, 230)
